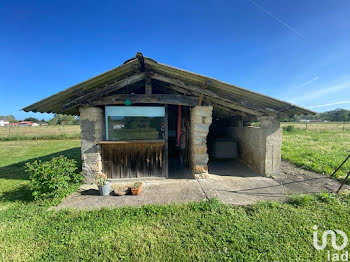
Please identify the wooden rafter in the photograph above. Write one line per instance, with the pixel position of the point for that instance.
(146, 99)
(104, 90)
(198, 90)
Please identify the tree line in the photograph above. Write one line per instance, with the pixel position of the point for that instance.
(57, 119)
(337, 115)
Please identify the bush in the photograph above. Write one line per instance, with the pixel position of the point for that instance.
(53, 179)
(301, 200)
(289, 128)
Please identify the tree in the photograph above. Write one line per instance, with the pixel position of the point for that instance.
(33, 119)
(60, 119)
(9, 118)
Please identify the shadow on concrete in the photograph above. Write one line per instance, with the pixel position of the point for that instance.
(177, 170)
(230, 168)
(284, 185)
(90, 192)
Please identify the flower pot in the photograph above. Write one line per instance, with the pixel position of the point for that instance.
(136, 191)
(105, 189)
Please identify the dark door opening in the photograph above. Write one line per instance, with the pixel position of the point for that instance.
(178, 141)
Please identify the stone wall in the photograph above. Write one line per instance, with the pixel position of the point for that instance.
(92, 128)
(201, 118)
(260, 147)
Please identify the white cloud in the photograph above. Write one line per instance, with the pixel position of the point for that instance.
(310, 81)
(330, 104)
(323, 93)
(277, 19)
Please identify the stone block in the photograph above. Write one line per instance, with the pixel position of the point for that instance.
(200, 128)
(92, 131)
(201, 159)
(199, 149)
(200, 169)
(201, 118)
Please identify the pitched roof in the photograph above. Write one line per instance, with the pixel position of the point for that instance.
(224, 97)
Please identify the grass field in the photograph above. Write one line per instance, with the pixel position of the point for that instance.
(196, 231)
(320, 151)
(40, 132)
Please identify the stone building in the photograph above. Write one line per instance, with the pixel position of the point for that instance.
(147, 119)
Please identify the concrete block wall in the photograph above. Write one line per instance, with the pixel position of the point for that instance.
(260, 147)
(201, 119)
(92, 129)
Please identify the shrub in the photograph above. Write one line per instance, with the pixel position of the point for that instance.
(289, 128)
(53, 179)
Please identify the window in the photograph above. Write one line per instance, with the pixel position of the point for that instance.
(134, 123)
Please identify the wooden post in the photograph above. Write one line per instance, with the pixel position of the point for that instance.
(166, 158)
(306, 125)
(343, 183)
(206, 83)
(148, 82)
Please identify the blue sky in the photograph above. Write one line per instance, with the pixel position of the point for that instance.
(295, 50)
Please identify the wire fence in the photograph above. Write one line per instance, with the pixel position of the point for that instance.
(319, 126)
(39, 132)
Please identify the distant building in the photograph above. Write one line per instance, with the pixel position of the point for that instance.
(310, 120)
(315, 120)
(4, 122)
(27, 123)
(42, 123)
(13, 124)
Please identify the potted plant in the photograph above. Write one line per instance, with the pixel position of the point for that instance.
(103, 184)
(136, 188)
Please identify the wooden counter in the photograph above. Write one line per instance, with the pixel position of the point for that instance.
(158, 141)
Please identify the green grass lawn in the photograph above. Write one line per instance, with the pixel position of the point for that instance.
(205, 231)
(319, 151)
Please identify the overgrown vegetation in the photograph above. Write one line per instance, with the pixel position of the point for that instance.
(53, 179)
(288, 128)
(319, 151)
(41, 137)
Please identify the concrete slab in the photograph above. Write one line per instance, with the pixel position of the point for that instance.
(241, 190)
(230, 181)
(153, 192)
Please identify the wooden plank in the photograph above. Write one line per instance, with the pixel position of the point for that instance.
(171, 99)
(104, 91)
(148, 83)
(206, 92)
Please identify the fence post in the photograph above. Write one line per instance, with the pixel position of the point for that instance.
(9, 134)
(306, 125)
